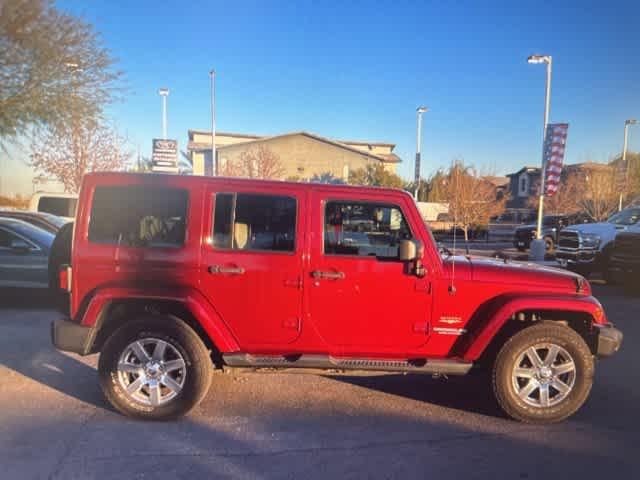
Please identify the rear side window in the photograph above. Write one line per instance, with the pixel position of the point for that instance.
(254, 222)
(364, 229)
(139, 216)
(60, 206)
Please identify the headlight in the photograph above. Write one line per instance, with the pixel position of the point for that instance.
(591, 240)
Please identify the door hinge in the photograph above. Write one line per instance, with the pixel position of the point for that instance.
(423, 286)
(291, 323)
(295, 283)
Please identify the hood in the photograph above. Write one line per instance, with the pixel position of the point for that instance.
(489, 270)
(527, 227)
(596, 228)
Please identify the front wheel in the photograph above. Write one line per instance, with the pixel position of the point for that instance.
(543, 374)
(154, 368)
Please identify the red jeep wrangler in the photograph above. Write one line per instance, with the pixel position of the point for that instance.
(172, 275)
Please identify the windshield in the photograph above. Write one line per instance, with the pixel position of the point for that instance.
(33, 233)
(630, 216)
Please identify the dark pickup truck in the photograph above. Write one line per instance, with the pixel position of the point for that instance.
(551, 226)
(624, 265)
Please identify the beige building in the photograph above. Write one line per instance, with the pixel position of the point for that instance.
(302, 155)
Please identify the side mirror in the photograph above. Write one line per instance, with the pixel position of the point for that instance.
(411, 251)
(408, 250)
(20, 246)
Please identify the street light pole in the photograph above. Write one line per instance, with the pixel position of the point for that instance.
(537, 248)
(624, 159)
(164, 93)
(214, 160)
(419, 112)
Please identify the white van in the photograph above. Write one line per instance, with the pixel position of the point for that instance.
(60, 204)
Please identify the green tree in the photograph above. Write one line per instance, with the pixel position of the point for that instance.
(376, 176)
(53, 67)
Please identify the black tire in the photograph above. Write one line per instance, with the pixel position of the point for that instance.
(177, 334)
(607, 274)
(506, 360)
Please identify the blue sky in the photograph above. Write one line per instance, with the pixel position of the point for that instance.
(358, 70)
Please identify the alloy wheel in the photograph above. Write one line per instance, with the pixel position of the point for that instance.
(544, 375)
(151, 371)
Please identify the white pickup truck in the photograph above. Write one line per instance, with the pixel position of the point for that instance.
(587, 248)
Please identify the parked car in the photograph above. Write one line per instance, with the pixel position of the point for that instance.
(24, 251)
(587, 248)
(171, 272)
(624, 264)
(59, 204)
(551, 227)
(45, 221)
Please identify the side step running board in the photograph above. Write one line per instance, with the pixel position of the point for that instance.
(418, 365)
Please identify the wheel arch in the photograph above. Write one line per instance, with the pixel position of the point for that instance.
(111, 308)
(489, 333)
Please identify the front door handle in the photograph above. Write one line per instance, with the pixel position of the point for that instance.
(218, 269)
(317, 274)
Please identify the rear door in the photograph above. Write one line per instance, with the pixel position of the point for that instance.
(251, 266)
(363, 299)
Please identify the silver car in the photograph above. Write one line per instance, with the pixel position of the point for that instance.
(24, 253)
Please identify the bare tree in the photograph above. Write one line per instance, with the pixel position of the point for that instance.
(472, 199)
(259, 162)
(52, 66)
(68, 152)
(566, 200)
(597, 190)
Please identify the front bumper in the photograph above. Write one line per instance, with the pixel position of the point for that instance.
(72, 337)
(609, 340)
(584, 257)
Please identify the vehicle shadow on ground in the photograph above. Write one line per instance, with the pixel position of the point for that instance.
(26, 348)
(471, 393)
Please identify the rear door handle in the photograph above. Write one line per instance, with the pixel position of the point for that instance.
(218, 269)
(317, 274)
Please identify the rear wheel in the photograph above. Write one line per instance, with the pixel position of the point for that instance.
(543, 374)
(155, 368)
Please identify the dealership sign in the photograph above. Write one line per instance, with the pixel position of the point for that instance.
(165, 156)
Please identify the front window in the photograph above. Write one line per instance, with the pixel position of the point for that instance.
(364, 229)
(630, 216)
(139, 216)
(244, 221)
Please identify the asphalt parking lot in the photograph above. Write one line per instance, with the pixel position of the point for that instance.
(54, 423)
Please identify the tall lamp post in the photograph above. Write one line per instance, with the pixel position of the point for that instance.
(214, 160)
(537, 248)
(164, 93)
(624, 159)
(419, 112)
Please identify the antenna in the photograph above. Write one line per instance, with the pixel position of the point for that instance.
(452, 287)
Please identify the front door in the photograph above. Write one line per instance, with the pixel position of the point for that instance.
(362, 298)
(251, 266)
(22, 262)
